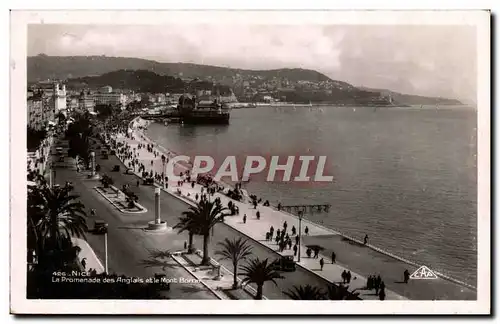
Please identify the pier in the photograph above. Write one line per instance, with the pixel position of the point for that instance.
(294, 209)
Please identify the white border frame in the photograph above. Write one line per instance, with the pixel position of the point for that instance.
(19, 21)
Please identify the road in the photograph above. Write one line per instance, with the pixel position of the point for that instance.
(128, 243)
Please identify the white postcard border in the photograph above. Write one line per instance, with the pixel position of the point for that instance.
(19, 303)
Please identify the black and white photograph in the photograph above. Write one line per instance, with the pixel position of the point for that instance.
(162, 161)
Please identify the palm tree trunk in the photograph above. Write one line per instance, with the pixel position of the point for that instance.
(206, 257)
(190, 244)
(259, 292)
(235, 275)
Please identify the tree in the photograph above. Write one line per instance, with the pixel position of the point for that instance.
(259, 272)
(106, 181)
(186, 223)
(234, 250)
(203, 218)
(306, 292)
(54, 216)
(340, 292)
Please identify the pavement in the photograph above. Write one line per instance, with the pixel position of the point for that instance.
(129, 245)
(87, 253)
(361, 260)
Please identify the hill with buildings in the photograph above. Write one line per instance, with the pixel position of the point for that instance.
(408, 99)
(143, 81)
(288, 84)
(42, 67)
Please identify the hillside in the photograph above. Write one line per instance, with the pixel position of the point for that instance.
(407, 99)
(142, 81)
(42, 67)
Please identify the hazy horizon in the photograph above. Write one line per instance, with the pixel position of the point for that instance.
(437, 61)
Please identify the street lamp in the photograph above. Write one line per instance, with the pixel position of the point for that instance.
(301, 214)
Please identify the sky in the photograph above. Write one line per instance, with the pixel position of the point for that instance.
(423, 60)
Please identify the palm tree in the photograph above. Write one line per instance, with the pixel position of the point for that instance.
(54, 217)
(306, 292)
(201, 219)
(186, 223)
(340, 292)
(259, 272)
(235, 250)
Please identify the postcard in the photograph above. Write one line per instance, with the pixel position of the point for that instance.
(250, 162)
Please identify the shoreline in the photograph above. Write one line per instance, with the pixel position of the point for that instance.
(145, 123)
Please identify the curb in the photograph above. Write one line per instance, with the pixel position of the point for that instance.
(333, 231)
(79, 241)
(144, 209)
(201, 281)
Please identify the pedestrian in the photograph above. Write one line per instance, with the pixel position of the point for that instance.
(297, 239)
(308, 252)
(258, 215)
(295, 250)
(245, 219)
(406, 276)
(84, 262)
(278, 233)
(333, 257)
(381, 295)
(293, 230)
(348, 276)
(185, 245)
(267, 236)
(271, 229)
(138, 183)
(285, 225)
(344, 276)
(306, 230)
(321, 263)
(382, 285)
(289, 243)
(365, 241)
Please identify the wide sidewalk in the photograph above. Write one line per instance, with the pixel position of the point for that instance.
(256, 229)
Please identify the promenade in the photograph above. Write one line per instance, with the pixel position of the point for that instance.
(352, 255)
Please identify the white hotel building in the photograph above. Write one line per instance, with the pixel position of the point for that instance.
(106, 96)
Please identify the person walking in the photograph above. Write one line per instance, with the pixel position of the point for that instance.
(344, 275)
(245, 219)
(306, 230)
(333, 257)
(285, 225)
(295, 250)
(365, 241)
(294, 230)
(321, 263)
(348, 276)
(406, 276)
(258, 215)
(84, 262)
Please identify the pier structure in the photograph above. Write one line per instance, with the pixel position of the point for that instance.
(295, 209)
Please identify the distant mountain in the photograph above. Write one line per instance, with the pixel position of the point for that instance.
(407, 99)
(42, 67)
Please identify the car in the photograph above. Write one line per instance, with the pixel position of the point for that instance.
(129, 171)
(149, 181)
(285, 263)
(100, 227)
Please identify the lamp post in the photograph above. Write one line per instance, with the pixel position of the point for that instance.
(106, 251)
(301, 214)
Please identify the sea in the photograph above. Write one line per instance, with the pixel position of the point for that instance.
(405, 176)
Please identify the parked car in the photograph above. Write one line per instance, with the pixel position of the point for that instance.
(149, 181)
(285, 263)
(100, 227)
